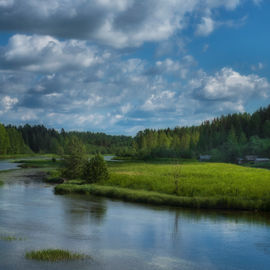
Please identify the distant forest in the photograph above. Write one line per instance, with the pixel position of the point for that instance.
(39, 139)
(225, 138)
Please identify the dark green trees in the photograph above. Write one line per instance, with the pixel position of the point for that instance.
(76, 165)
(96, 170)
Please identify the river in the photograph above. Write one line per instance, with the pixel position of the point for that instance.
(123, 236)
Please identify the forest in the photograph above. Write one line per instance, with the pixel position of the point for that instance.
(225, 138)
(39, 139)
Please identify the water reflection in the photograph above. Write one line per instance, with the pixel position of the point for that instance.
(85, 208)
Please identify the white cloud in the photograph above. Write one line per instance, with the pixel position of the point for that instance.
(206, 27)
(121, 23)
(228, 84)
(45, 53)
(159, 101)
(8, 102)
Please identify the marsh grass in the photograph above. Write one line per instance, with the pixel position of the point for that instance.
(53, 177)
(155, 198)
(194, 179)
(190, 184)
(54, 255)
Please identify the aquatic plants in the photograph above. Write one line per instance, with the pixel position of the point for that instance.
(54, 255)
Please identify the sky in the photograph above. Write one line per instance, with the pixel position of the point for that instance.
(125, 65)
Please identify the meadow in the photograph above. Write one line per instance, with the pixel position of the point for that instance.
(194, 184)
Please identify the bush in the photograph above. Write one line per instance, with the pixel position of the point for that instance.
(96, 170)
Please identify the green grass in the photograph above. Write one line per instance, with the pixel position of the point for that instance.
(53, 177)
(191, 184)
(1, 183)
(192, 179)
(54, 255)
(150, 197)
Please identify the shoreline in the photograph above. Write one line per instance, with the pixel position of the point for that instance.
(155, 198)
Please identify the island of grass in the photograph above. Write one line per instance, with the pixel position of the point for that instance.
(190, 184)
(54, 255)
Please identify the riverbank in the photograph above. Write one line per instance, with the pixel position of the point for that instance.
(190, 184)
(155, 198)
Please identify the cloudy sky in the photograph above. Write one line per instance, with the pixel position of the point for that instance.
(124, 65)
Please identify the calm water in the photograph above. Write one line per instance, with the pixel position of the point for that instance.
(123, 236)
(5, 165)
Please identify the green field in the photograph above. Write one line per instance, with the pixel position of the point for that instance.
(193, 179)
(208, 185)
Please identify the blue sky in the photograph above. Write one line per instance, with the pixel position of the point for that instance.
(122, 66)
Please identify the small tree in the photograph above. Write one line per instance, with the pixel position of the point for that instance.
(74, 163)
(96, 169)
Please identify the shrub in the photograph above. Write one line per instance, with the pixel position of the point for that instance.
(96, 169)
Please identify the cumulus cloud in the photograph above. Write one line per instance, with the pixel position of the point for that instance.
(227, 90)
(206, 27)
(119, 23)
(229, 84)
(70, 65)
(159, 101)
(47, 54)
(8, 102)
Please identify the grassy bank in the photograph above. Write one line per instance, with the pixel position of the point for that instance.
(150, 197)
(54, 255)
(190, 184)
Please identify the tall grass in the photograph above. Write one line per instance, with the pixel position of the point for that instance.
(191, 184)
(54, 255)
(193, 179)
(150, 197)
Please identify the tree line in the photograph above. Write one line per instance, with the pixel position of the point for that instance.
(225, 138)
(39, 139)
